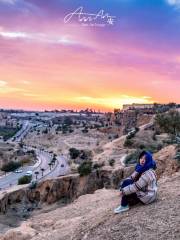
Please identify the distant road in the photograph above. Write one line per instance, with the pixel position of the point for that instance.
(26, 126)
(60, 168)
(44, 158)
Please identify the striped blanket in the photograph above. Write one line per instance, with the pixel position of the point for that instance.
(145, 187)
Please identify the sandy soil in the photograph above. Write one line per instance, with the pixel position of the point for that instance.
(60, 143)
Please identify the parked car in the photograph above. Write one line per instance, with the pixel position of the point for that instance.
(18, 171)
(29, 173)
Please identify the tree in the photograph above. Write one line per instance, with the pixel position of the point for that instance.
(85, 130)
(50, 164)
(59, 128)
(169, 122)
(172, 105)
(64, 129)
(85, 168)
(42, 171)
(111, 162)
(68, 121)
(10, 166)
(45, 131)
(36, 173)
(21, 144)
(54, 158)
(74, 153)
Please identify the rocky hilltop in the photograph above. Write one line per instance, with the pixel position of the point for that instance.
(91, 217)
(90, 212)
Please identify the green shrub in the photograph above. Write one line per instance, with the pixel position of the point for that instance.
(111, 162)
(8, 132)
(151, 148)
(24, 180)
(25, 161)
(68, 121)
(132, 158)
(85, 154)
(169, 122)
(59, 128)
(128, 142)
(74, 153)
(10, 166)
(45, 131)
(142, 146)
(98, 165)
(65, 128)
(85, 168)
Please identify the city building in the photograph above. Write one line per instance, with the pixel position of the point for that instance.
(137, 106)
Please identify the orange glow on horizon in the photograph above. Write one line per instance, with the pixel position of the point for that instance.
(73, 68)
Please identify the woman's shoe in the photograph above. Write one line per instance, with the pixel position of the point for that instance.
(121, 209)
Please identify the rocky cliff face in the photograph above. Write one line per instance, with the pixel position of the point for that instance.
(67, 188)
(166, 164)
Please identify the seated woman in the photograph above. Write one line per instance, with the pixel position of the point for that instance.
(142, 184)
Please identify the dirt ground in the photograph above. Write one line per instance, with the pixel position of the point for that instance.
(60, 143)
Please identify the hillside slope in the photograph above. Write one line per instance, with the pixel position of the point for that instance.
(91, 217)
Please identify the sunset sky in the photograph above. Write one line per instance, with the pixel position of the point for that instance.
(46, 63)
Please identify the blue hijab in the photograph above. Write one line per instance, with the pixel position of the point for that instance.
(149, 163)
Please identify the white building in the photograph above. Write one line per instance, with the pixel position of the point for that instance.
(137, 106)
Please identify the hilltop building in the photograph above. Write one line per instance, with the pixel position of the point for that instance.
(137, 106)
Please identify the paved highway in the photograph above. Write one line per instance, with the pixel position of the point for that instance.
(44, 158)
(60, 168)
(26, 126)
